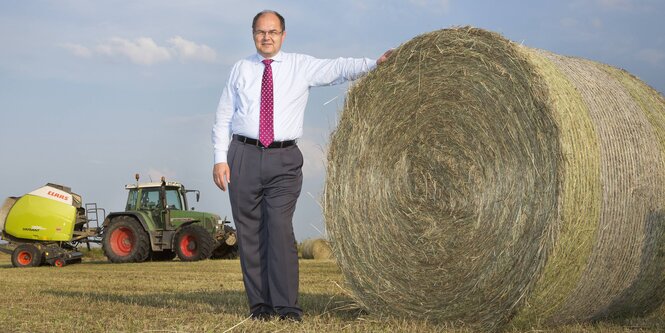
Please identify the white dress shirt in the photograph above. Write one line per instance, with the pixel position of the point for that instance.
(293, 75)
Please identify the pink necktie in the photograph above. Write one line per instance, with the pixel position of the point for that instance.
(266, 131)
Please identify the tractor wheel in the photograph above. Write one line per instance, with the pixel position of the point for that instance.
(125, 240)
(165, 255)
(193, 243)
(26, 255)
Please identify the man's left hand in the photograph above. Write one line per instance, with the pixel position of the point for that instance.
(384, 57)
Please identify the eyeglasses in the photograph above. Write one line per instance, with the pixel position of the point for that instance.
(271, 33)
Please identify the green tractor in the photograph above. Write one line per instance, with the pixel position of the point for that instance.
(158, 225)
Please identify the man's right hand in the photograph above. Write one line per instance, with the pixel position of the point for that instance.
(221, 174)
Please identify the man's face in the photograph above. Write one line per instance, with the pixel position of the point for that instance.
(268, 35)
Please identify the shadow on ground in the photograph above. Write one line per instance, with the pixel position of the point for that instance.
(225, 301)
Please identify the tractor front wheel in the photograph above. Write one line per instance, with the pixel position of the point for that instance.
(26, 255)
(193, 243)
(125, 240)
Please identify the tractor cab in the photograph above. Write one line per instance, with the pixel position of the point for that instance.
(152, 196)
(165, 203)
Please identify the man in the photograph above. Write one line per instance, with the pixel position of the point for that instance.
(263, 106)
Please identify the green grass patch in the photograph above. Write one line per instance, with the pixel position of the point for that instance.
(205, 296)
(94, 254)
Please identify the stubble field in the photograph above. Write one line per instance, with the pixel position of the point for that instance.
(205, 296)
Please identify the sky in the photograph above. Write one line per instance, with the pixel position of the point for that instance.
(92, 92)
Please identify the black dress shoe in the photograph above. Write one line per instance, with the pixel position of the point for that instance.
(262, 315)
(291, 316)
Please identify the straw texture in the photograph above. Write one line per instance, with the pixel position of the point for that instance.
(316, 249)
(473, 180)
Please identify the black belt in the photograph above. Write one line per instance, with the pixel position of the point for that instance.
(255, 142)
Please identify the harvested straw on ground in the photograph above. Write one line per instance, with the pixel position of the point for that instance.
(316, 249)
(474, 180)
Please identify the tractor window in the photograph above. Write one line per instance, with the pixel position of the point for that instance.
(149, 199)
(131, 200)
(173, 199)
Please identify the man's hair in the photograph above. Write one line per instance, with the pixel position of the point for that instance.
(281, 18)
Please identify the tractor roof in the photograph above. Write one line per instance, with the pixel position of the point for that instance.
(152, 184)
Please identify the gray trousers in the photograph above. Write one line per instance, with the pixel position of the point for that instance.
(265, 185)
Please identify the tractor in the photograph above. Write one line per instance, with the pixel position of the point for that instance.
(157, 224)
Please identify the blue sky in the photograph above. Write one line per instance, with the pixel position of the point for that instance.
(92, 92)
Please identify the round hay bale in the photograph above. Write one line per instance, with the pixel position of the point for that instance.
(474, 180)
(316, 249)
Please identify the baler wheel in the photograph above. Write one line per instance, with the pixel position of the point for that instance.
(26, 255)
(59, 263)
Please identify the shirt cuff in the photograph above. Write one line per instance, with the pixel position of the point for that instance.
(220, 157)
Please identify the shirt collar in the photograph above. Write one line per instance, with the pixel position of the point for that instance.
(278, 57)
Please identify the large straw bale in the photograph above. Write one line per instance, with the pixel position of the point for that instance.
(474, 180)
(317, 248)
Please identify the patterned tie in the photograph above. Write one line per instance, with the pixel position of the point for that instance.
(266, 131)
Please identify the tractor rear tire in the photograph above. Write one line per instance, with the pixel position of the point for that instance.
(165, 255)
(26, 255)
(193, 243)
(125, 240)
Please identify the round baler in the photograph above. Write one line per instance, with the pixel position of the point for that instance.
(44, 226)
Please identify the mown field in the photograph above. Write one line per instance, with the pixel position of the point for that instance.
(206, 296)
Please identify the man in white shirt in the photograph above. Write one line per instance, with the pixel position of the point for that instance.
(262, 110)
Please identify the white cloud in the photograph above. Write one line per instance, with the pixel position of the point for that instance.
(145, 51)
(652, 56)
(142, 51)
(188, 50)
(78, 50)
